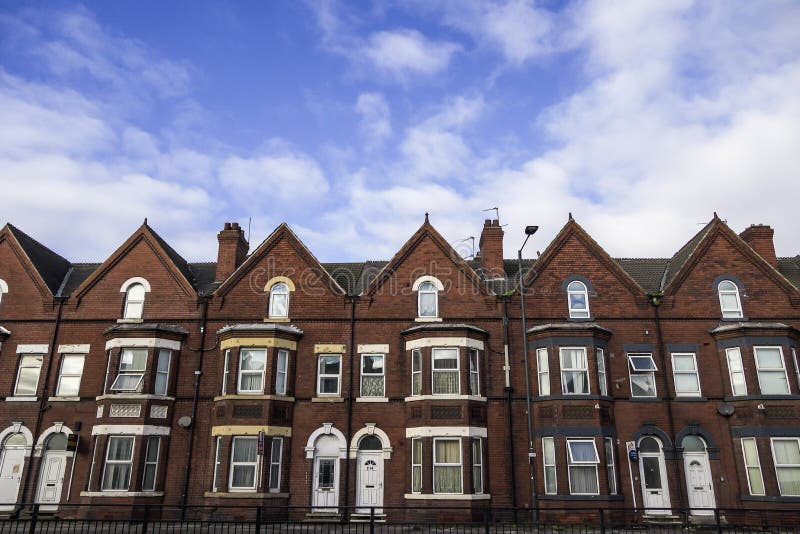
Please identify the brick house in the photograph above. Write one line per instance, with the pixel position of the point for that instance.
(271, 379)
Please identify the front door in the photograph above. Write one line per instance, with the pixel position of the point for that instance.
(370, 482)
(653, 473)
(51, 480)
(698, 481)
(326, 484)
(12, 461)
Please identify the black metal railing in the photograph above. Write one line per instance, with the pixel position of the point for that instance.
(422, 519)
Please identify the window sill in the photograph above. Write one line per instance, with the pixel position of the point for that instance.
(122, 494)
(246, 396)
(372, 399)
(63, 399)
(689, 398)
(545, 497)
(428, 320)
(130, 321)
(135, 396)
(243, 495)
(446, 497)
(327, 399)
(416, 398)
(22, 399)
(277, 320)
(761, 397)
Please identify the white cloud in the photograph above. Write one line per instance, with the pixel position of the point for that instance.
(376, 124)
(404, 52)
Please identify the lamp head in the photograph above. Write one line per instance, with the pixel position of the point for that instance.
(530, 230)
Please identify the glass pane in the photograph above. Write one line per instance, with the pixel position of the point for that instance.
(550, 479)
(582, 451)
(329, 385)
(160, 387)
(327, 470)
(133, 360)
(251, 381)
(769, 358)
(116, 476)
(370, 443)
(245, 449)
(686, 383)
(575, 382)
(750, 452)
(445, 358)
(152, 448)
(727, 285)
(279, 305)
(573, 359)
(274, 475)
(789, 480)
(652, 473)
(683, 362)
(68, 386)
(643, 385)
(253, 360)
(756, 482)
(149, 477)
(416, 384)
(447, 451)
(163, 360)
(372, 364)
(15, 440)
(416, 451)
(734, 359)
(72, 365)
(738, 383)
(372, 386)
(577, 301)
(244, 476)
(416, 361)
(416, 479)
(427, 304)
(329, 365)
(57, 442)
(729, 302)
(120, 448)
(549, 451)
(133, 310)
(583, 479)
(136, 292)
(642, 363)
(786, 451)
(773, 383)
(693, 444)
(129, 382)
(541, 359)
(447, 479)
(277, 446)
(283, 359)
(649, 445)
(445, 383)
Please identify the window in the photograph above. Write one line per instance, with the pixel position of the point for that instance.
(162, 372)
(729, 300)
(428, 300)
(755, 481)
(226, 371)
(582, 461)
(543, 369)
(119, 457)
(549, 461)
(608, 443)
(578, 300)
(217, 464)
(736, 371)
(474, 373)
(416, 465)
(601, 371)
(477, 465)
(416, 372)
(329, 369)
(684, 373)
(134, 301)
(244, 457)
(786, 452)
(372, 375)
(132, 363)
(275, 465)
(280, 372)
(151, 463)
(3, 288)
(252, 363)
(279, 300)
(30, 366)
(69, 380)
(445, 372)
(447, 465)
(772, 377)
(642, 373)
(574, 371)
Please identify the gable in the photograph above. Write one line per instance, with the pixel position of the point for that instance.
(23, 282)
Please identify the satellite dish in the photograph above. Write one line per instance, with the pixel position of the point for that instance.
(725, 409)
(185, 421)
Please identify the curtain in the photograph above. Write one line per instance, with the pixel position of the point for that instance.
(372, 386)
(245, 449)
(445, 382)
(447, 478)
(787, 452)
(575, 375)
(583, 479)
(583, 451)
(427, 304)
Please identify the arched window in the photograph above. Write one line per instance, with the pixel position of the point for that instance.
(279, 300)
(729, 300)
(649, 444)
(134, 301)
(578, 300)
(16, 440)
(370, 443)
(56, 442)
(428, 300)
(693, 444)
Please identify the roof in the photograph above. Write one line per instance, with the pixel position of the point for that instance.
(261, 327)
(51, 267)
(680, 258)
(790, 268)
(430, 327)
(176, 258)
(134, 327)
(647, 272)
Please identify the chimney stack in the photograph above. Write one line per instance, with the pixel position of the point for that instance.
(232, 250)
(759, 237)
(491, 249)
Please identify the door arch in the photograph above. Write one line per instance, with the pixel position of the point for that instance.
(51, 472)
(369, 475)
(699, 483)
(15, 447)
(326, 447)
(653, 476)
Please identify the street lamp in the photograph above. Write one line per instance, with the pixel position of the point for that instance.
(529, 231)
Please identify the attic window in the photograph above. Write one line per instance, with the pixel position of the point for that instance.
(578, 300)
(135, 290)
(427, 288)
(279, 300)
(3, 288)
(729, 300)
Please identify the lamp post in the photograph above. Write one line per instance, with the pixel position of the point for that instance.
(529, 231)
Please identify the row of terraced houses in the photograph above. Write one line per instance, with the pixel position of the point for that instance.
(271, 379)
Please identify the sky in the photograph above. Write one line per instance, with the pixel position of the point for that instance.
(350, 120)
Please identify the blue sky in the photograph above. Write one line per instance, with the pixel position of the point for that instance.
(351, 120)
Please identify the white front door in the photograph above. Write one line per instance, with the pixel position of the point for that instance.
(370, 482)
(12, 461)
(655, 492)
(699, 484)
(326, 484)
(51, 479)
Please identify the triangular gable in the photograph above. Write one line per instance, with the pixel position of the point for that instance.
(174, 263)
(46, 268)
(426, 230)
(573, 229)
(699, 244)
(282, 231)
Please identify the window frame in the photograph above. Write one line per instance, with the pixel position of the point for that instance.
(611, 465)
(633, 371)
(240, 372)
(738, 312)
(233, 464)
(578, 313)
(382, 375)
(474, 362)
(217, 464)
(416, 464)
(416, 360)
(771, 369)
(748, 466)
(602, 375)
(132, 372)
(428, 288)
(584, 370)
(106, 462)
(460, 465)
(274, 292)
(477, 466)
(282, 356)
(543, 370)
(159, 372)
(321, 376)
(740, 371)
(62, 375)
(551, 463)
(571, 462)
(226, 371)
(151, 463)
(784, 466)
(695, 372)
(21, 365)
(456, 371)
(275, 466)
(126, 311)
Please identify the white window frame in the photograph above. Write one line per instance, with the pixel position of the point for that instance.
(730, 353)
(416, 464)
(428, 288)
(22, 364)
(282, 360)
(62, 375)
(611, 466)
(634, 371)
(459, 464)
(275, 465)
(115, 462)
(730, 313)
(578, 313)
(748, 466)
(278, 289)
(416, 371)
(165, 374)
(584, 370)
(602, 377)
(226, 371)
(783, 466)
(129, 313)
(241, 372)
(782, 369)
(571, 462)
(382, 375)
(477, 466)
(543, 371)
(321, 376)
(231, 487)
(695, 372)
(217, 464)
(549, 461)
(132, 372)
(474, 372)
(3, 288)
(154, 464)
(456, 371)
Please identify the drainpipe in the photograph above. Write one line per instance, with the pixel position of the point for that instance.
(509, 390)
(43, 407)
(655, 300)
(197, 374)
(531, 449)
(348, 435)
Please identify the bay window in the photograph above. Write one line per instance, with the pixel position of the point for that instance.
(416, 372)
(543, 371)
(151, 463)
(244, 461)
(772, 378)
(252, 365)
(752, 465)
(474, 373)
(549, 463)
(416, 465)
(582, 460)
(132, 365)
(447, 465)
(445, 371)
(574, 371)
(786, 453)
(117, 469)
(736, 371)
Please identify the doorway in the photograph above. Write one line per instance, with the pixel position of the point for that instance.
(12, 463)
(51, 473)
(369, 488)
(653, 473)
(699, 484)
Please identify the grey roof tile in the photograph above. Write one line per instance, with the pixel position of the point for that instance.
(790, 268)
(51, 267)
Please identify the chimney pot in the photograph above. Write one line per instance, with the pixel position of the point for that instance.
(227, 226)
